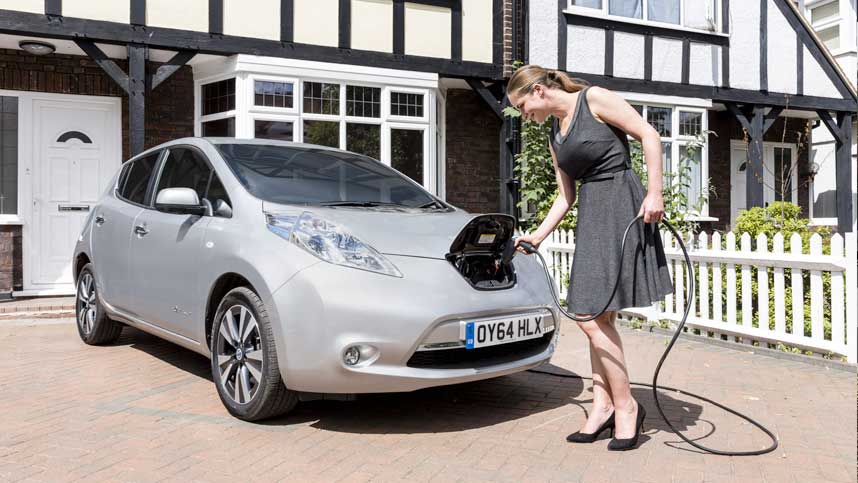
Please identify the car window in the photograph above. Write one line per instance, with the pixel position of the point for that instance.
(185, 168)
(137, 180)
(123, 176)
(216, 191)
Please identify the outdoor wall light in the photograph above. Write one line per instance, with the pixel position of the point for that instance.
(36, 47)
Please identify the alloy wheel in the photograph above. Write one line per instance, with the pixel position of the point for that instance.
(87, 307)
(239, 354)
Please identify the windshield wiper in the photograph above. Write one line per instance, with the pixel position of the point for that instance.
(435, 203)
(359, 203)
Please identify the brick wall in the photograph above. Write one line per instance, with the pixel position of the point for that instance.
(169, 115)
(727, 128)
(472, 153)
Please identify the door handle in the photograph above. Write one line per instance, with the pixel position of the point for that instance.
(99, 220)
(141, 230)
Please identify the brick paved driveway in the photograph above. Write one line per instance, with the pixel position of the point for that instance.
(145, 410)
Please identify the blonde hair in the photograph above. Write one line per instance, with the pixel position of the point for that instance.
(523, 80)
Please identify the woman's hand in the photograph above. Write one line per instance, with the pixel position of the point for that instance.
(652, 208)
(530, 238)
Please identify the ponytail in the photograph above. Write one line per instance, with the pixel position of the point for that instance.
(526, 76)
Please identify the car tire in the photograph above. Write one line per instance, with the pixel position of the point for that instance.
(244, 359)
(93, 324)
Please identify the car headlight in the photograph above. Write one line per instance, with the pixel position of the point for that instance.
(329, 242)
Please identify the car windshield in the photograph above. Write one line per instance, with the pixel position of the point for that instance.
(306, 175)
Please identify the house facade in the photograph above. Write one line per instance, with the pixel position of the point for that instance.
(834, 22)
(754, 73)
(85, 85)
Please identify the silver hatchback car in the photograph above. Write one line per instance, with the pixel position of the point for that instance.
(304, 271)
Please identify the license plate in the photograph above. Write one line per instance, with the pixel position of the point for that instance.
(486, 333)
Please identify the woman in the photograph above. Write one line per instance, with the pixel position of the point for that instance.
(588, 143)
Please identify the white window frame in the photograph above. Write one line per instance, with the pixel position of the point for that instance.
(677, 146)
(429, 171)
(198, 104)
(268, 116)
(834, 22)
(604, 13)
(296, 94)
(406, 90)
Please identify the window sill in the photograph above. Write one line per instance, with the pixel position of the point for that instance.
(10, 220)
(658, 28)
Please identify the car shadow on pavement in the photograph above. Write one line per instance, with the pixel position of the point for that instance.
(440, 409)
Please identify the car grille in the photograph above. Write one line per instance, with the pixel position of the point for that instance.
(484, 356)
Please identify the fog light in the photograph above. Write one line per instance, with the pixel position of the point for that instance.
(352, 356)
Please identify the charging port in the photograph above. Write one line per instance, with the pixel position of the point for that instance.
(477, 252)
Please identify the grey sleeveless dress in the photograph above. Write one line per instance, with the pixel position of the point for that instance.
(609, 196)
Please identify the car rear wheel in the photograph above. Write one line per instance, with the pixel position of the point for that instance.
(93, 325)
(244, 359)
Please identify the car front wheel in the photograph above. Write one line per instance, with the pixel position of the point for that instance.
(244, 359)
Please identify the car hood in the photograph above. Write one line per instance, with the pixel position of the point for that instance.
(428, 234)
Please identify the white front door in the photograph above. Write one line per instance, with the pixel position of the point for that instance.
(779, 175)
(76, 151)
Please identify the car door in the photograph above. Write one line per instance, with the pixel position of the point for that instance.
(166, 248)
(112, 227)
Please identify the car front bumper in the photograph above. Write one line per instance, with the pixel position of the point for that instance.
(325, 309)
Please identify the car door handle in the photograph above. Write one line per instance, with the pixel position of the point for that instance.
(99, 220)
(141, 230)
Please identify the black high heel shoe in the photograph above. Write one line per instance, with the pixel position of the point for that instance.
(617, 444)
(579, 437)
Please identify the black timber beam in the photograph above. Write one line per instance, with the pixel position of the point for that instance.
(107, 64)
(841, 130)
(754, 124)
(36, 25)
(53, 7)
(170, 67)
(136, 98)
(487, 96)
(719, 94)
(509, 185)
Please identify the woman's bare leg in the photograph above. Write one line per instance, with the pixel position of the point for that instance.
(603, 406)
(607, 348)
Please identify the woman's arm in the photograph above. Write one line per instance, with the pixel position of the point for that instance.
(613, 109)
(564, 200)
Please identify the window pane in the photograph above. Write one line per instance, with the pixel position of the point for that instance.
(8, 155)
(829, 11)
(692, 192)
(406, 153)
(625, 8)
(783, 174)
(659, 117)
(220, 128)
(321, 98)
(690, 123)
(405, 104)
(138, 179)
(700, 14)
(664, 10)
(824, 182)
(830, 37)
(273, 94)
(666, 156)
(363, 101)
(185, 168)
(283, 131)
(323, 133)
(218, 96)
(587, 3)
(302, 174)
(364, 139)
(217, 192)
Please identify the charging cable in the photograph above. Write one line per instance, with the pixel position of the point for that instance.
(527, 247)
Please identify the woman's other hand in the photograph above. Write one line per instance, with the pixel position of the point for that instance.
(652, 208)
(529, 238)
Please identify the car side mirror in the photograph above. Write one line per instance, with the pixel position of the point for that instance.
(182, 201)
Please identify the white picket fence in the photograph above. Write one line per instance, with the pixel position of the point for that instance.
(722, 273)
